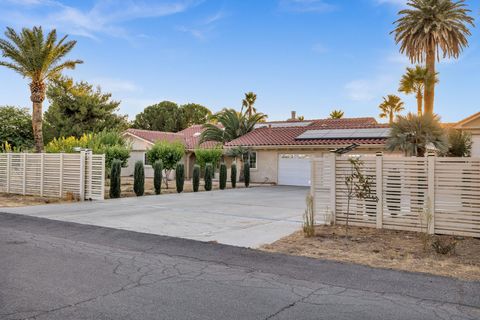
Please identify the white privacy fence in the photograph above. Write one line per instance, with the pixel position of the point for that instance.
(448, 189)
(53, 174)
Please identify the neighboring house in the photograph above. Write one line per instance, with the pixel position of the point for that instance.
(142, 140)
(472, 125)
(281, 150)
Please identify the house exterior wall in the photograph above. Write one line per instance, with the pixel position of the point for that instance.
(473, 127)
(476, 144)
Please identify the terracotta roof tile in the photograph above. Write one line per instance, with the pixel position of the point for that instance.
(153, 136)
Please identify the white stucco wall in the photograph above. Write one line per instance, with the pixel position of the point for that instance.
(476, 145)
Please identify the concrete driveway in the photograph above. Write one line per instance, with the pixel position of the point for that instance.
(241, 217)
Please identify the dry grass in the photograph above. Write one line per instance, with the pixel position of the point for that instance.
(14, 200)
(383, 248)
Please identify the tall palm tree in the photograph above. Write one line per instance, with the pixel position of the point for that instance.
(38, 58)
(248, 102)
(229, 125)
(414, 81)
(430, 28)
(336, 114)
(391, 105)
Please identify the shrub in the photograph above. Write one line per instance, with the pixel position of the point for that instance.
(233, 175)
(139, 179)
(204, 156)
(246, 174)
(444, 245)
(180, 176)
(157, 176)
(115, 179)
(208, 176)
(459, 143)
(196, 177)
(116, 152)
(223, 176)
(169, 152)
(309, 218)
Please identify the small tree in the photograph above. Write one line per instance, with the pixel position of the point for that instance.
(212, 156)
(180, 177)
(115, 179)
(157, 176)
(309, 218)
(139, 179)
(246, 174)
(358, 185)
(233, 175)
(208, 176)
(223, 176)
(196, 177)
(169, 152)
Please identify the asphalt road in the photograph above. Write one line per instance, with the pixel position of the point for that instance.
(62, 270)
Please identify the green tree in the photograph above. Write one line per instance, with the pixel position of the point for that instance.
(429, 29)
(233, 125)
(170, 153)
(163, 116)
(390, 106)
(16, 127)
(336, 114)
(78, 108)
(414, 81)
(204, 156)
(39, 59)
(193, 113)
(413, 134)
(248, 103)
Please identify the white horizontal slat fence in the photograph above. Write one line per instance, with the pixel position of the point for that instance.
(53, 174)
(406, 188)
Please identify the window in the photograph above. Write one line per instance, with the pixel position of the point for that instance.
(251, 157)
(145, 160)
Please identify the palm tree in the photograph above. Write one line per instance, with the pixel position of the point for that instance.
(248, 103)
(429, 27)
(414, 81)
(391, 105)
(413, 134)
(233, 125)
(39, 59)
(336, 114)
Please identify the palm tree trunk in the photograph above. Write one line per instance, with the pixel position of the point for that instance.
(391, 116)
(37, 90)
(419, 102)
(430, 85)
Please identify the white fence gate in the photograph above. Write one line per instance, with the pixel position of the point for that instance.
(449, 188)
(53, 174)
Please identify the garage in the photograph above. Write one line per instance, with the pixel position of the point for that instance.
(294, 169)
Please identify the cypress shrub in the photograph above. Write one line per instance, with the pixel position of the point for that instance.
(180, 176)
(223, 176)
(139, 179)
(196, 177)
(233, 175)
(246, 174)
(157, 176)
(208, 176)
(115, 179)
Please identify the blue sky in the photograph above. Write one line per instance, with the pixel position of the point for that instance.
(311, 56)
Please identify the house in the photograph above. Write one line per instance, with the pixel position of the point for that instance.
(281, 150)
(142, 140)
(472, 124)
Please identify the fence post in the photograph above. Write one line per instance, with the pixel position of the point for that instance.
(90, 174)
(379, 187)
(9, 166)
(103, 176)
(333, 188)
(82, 175)
(42, 163)
(431, 191)
(24, 186)
(61, 176)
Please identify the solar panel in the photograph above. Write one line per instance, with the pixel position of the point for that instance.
(366, 133)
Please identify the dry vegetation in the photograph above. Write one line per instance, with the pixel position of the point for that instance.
(383, 248)
(15, 200)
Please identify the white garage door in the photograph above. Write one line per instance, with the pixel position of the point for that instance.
(294, 169)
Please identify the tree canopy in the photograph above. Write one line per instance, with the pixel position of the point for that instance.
(78, 108)
(16, 127)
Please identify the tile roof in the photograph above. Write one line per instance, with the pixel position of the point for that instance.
(286, 136)
(152, 136)
(192, 137)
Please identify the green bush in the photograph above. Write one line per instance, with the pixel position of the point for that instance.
(117, 152)
(208, 176)
(115, 179)
(223, 176)
(204, 156)
(157, 176)
(139, 179)
(233, 175)
(180, 176)
(246, 174)
(196, 177)
(169, 152)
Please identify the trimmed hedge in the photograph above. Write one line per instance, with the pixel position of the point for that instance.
(196, 178)
(139, 179)
(180, 176)
(223, 176)
(233, 175)
(157, 176)
(208, 176)
(246, 174)
(115, 179)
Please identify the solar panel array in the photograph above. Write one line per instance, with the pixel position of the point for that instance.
(370, 133)
(282, 124)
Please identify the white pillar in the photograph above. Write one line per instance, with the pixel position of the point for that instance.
(379, 186)
(431, 190)
(333, 187)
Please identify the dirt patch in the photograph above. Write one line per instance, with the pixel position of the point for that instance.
(401, 250)
(14, 200)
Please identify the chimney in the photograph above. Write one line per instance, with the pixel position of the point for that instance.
(294, 115)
